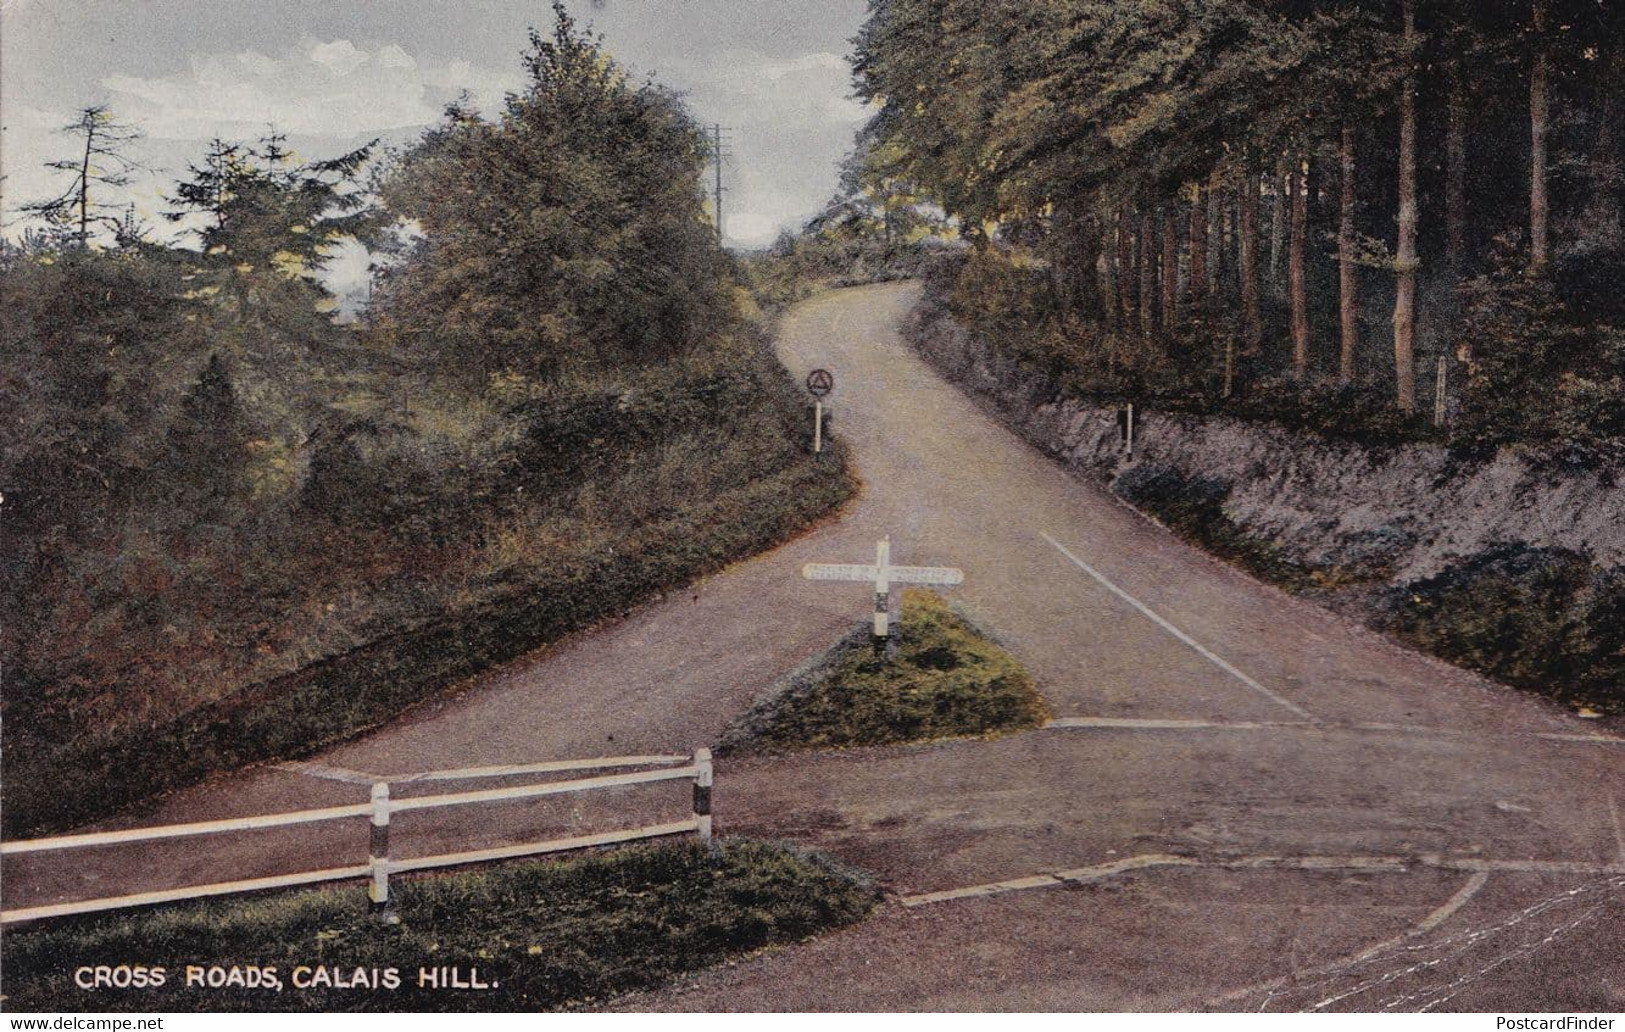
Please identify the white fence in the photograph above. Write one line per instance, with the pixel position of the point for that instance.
(379, 866)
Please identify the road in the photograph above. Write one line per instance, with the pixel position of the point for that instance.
(1245, 802)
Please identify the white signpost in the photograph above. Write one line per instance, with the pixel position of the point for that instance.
(884, 574)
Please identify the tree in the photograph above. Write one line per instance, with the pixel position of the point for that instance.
(1540, 115)
(572, 229)
(101, 161)
(1405, 261)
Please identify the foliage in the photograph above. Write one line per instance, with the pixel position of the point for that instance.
(947, 679)
(1519, 333)
(237, 530)
(100, 163)
(1540, 618)
(544, 935)
(570, 231)
(1102, 149)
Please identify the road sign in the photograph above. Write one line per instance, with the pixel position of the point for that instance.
(884, 574)
(820, 382)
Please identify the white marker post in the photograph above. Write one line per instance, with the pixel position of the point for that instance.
(884, 574)
(818, 428)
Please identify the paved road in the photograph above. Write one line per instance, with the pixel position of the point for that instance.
(1246, 802)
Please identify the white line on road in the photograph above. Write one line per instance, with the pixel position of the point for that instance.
(1137, 724)
(1170, 724)
(1151, 615)
(1395, 864)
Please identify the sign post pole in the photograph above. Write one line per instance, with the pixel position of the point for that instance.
(819, 384)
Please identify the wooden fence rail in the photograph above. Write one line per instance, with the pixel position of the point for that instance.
(379, 808)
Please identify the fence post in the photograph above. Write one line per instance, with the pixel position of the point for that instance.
(702, 793)
(378, 850)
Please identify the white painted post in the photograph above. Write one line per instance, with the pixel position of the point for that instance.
(818, 428)
(1131, 431)
(702, 793)
(378, 847)
(882, 589)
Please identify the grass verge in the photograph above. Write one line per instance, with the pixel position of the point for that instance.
(947, 680)
(50, 787)
(541, 934)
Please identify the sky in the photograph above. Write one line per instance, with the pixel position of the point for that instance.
(333, 74)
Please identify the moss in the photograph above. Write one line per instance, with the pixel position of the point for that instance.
(544, 934)
(946, 679)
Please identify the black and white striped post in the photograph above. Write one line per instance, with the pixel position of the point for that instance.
(378, 851)
(702, 794)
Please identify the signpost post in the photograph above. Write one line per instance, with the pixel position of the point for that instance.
(884, 574)
(819, 383)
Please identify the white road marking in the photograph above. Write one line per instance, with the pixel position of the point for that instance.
(1138, 724)
(1172, 724)
(1597, 739)
(1395, 864)
(1151, 615)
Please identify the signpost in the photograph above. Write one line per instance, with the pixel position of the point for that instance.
(884, 574)
(819, 383)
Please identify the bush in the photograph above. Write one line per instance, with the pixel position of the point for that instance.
(946, 680)
(1539, 375)
(1543, 619)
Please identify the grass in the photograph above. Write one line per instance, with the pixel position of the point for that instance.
(946, 680)
(54, 785)
(543, 934)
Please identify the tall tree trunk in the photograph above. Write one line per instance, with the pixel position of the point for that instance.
(84, 186)
(1540, 113)
(1247, 261)
(1170, 267)
(1278, 217)
(1455, 182)
(1405, 257)
(1215, 241)
(1606, 218)
(1108, 273)
(1198, 246)
(1148, 274)
(1298, 284)
(1125, 268)
(1348, 298)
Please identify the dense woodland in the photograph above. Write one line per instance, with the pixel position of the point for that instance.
(236, 529)
(1311, 211)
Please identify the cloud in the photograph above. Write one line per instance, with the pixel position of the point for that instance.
(782, 109)
(318, 87)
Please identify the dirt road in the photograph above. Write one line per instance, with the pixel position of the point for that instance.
(1245, 802)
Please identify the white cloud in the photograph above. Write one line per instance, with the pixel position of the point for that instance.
(319, 87)
(340, 55)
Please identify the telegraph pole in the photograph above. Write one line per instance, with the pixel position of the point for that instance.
(717, 156)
